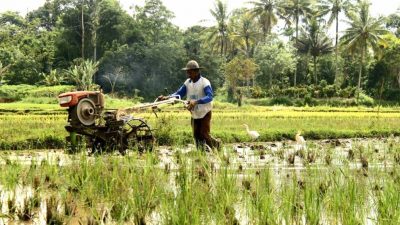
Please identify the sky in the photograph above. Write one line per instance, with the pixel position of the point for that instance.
(189, 12)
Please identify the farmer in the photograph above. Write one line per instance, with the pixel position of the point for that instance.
(199, 95)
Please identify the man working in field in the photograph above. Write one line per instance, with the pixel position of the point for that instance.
(199, 95)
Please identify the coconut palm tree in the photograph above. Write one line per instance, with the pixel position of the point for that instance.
(245, 33)
(218, 35)
(315, 42)
(294, 10)
(364, 31)
(266, 11)
(334, 8)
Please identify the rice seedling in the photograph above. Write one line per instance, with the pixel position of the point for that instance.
(11, 205)
(212, 188)
(52, 214)
(347, 199)
(26, 212)
(388, 203)
(290, 204)
(224, 197)
(328, 158)
(315, 188)
(264, 206)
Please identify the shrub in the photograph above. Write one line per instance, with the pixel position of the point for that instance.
(347, 92)
(274, 91)
(329, 91)
(364, 99)
(391, 94)
(281, 101)
(300, 92)
(309, 100)
(258, 101)
(257, 92)
(323, 83)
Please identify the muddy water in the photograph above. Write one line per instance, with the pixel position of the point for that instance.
(286, 155)
(283, 159)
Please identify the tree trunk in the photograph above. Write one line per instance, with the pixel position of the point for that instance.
(270, 80)
(360, 72)
(336, 49)
(95, 27)
(380, 94)
(94, 46)
(83, 32)
(248, 47)
(222, 45)
(361, 68)
(398, 78)
(297, 33)
(315, 70)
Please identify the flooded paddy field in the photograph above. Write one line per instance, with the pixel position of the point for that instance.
(338, 181)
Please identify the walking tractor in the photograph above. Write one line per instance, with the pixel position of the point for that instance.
(103, 130)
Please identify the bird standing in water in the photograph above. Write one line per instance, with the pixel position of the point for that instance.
(252, 133)
(300, 139)
(301, 143)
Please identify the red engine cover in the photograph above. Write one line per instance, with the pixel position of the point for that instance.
(77, 95)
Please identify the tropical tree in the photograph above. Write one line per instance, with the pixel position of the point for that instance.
(238, 73)
(95, 24)
(294, 10)
(315, 42)
(333, 8)
(385, 71)
(82, 74)
(106, 26)
(393, 23)
(364, 31)
(245, 33)
(30, 50)
(155, 21)
(267, 12)
(218, 35)
(50, 13)
(275, 59)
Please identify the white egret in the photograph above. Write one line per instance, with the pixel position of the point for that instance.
(252, 133)
(300, 139)
(300, 142)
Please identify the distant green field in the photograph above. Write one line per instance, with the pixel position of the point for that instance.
(42, 126)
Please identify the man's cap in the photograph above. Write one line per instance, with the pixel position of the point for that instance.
(192, 65)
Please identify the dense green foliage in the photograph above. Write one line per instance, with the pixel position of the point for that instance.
(141, 54)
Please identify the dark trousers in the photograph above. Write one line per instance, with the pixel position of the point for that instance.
(201, 132)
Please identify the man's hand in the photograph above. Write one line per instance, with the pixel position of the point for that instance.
(191, 105)
(162, 97)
